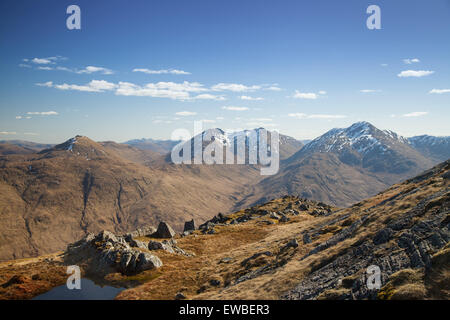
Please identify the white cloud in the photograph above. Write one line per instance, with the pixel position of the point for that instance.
(411, 61)
(440, 91)
(92, 69)
(384, 64)
(234, 87)
(304, 95)
(172, 90)
(41, 61)
(234, 108)
(208, 96)
(164, 71)
(322, 92)
(45, 84)
(414, 73)
(44, 113)
(208, 121)
(220, 118)
(316, 116)
(6, 133)
(31, 134)
(415, 114)
(251, 98)
(369, 91)
(93, 86)
(44, 68)
(23, 65)
(186, 113)
(273, 87)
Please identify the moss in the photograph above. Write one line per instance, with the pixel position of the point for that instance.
(406, 284)
(334, 294)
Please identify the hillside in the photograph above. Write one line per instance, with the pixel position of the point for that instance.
(288, 248)
(52, 198)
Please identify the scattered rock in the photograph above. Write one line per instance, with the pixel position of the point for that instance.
(383, 236)
(306, 238)
(214, 282)
(273, 215)
(180, 296)
(189, 226)
(164, 231)
(291, 244)
(225, 260)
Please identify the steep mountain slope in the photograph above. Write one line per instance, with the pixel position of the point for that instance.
(344, 166)
(435, 148)
(54, 197)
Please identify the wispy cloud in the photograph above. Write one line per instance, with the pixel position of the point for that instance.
(411, 61)
(48, 60)
(251, 98)
(440, 91)
(163, 71)
(186, 113)
(93, 86)
(6, 133)
(94, 69)
(415, 114)
(235, 87)
(316, 116)
(177, 91)
(44, 113)
(414, 73)
(369, 90)
(304, 95)
(234, 108)
(208, 96)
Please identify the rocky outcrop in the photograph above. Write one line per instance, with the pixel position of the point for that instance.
(106, 252)
(401, 245)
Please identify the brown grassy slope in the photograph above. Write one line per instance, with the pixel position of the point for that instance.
(285, 270)
(50, 199)
(8, 149)
(322, 177)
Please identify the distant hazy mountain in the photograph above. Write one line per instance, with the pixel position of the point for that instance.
(25, 146)
(159, 146)
(436, 148)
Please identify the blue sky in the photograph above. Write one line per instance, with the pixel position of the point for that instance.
(145, 68)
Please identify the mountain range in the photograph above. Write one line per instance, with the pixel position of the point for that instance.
(53, 194)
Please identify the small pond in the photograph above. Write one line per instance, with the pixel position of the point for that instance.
(89, 291)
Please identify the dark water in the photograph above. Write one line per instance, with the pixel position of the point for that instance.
(89, 291)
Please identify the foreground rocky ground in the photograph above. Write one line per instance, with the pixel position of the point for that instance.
(288, 248)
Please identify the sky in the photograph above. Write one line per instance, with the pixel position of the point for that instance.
(142, 69)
